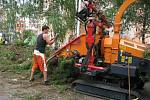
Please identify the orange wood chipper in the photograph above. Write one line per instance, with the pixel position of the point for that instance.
(118, 63)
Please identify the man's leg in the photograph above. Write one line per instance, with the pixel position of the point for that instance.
(43, 68)
(46, 82)
(45, 75)
(34, 67)
(89, 52)
(32, 76)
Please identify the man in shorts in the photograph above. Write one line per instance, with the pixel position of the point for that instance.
(39, 58)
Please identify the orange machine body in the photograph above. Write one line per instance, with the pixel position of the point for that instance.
(135, 49)
(110, 47)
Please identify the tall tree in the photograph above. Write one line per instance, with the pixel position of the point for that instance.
(10, 7)
(139, 13)
(61, 14)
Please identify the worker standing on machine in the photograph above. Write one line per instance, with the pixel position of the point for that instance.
(87, 15)
(90, 28)
(94, 21)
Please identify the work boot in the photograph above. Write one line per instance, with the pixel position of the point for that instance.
(31, 80)
(47, 82)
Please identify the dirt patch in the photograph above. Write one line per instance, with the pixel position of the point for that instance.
(15, 88)
(15, 66)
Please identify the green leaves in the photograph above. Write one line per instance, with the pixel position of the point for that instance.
(65, 71)
(61, 14)
(137, 13)
(9, 13)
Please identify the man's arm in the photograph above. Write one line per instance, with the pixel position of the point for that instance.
(48, 41)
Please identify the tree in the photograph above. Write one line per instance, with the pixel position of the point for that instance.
(61, 14)
(10, 7)
(139, 13)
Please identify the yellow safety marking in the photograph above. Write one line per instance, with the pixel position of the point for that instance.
(129, 60)
(122, 47)
(123, 59)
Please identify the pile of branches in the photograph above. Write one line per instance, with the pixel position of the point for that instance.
(62, 70)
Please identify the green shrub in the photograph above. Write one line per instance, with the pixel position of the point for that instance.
(64, 72)
(27, 33)
(20, 43)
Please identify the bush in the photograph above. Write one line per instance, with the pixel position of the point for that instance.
(27, 33)
(20, 43)
(64, 72)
